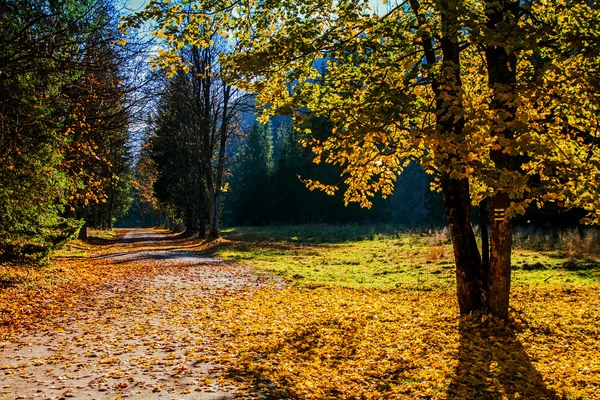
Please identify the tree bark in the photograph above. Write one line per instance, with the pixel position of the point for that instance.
(202, 213)
(469, 283)
(457, 199)
(500, 256)
(485, 241)
(191, 221)
(214, 226)
(168, 220)
(501, 65)
(83, 234)
(110, 208)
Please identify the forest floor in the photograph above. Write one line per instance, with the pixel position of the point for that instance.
(132, 331)
(291, 313)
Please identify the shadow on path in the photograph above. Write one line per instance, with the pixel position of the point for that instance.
(142, 236)
(492, 362)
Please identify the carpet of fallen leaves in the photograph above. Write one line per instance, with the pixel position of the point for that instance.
(320, 343)
(345, 344)
(30, 296)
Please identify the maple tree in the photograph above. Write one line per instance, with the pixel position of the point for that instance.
(496, 99)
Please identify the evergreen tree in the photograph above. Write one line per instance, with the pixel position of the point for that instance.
(249, 198)
(57, 142)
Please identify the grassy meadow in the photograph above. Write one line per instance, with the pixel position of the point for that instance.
(386, 257)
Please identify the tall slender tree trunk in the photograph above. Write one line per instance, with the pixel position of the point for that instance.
(213, 220)
(191, 220)
(214, 227)
(83, 233)
(485, 241)
(168, 219)
(210, 207)
(457, 199)
(202, 216)
(501, 65)
(110, 208)
(469, 284)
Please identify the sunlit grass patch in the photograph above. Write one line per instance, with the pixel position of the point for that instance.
(102, 233)
(314, 233)
(394, 258)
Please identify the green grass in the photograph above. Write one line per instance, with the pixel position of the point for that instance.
(101, 233)
(80, 249)
(381, 256)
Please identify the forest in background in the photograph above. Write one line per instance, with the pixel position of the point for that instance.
(92, 137)
(264, 185)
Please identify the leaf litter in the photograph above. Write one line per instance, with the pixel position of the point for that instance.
(124, 325)
(200, 328)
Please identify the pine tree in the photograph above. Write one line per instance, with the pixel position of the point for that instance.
(250, 195)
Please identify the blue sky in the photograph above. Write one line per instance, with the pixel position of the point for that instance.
(134, 5)
(376, 5)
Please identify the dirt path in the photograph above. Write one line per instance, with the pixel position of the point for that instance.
(142, 338)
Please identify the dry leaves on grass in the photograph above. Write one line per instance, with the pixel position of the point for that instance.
(133, 326)
(326, 343)
(30, 296)
(22, 307)
(333, 343)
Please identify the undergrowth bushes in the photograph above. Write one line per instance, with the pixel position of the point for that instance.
(34, 245)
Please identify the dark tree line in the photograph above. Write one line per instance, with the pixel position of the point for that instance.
(202, 162)
(267, 186)
(63, 123)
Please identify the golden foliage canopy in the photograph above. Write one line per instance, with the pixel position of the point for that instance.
(370, 75)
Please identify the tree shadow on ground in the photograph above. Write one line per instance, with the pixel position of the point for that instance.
(492, 363)
(143, 238)
(330, 344)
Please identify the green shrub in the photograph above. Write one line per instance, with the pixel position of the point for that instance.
(33, 246)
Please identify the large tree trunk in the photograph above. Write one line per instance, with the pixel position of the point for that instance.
(446, 86)
(457, 197)
(469, 282)
(501, 65)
